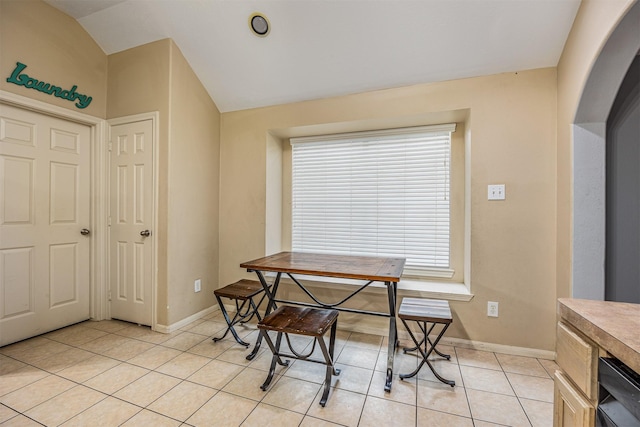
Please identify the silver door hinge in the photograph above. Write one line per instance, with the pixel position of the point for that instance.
(109, 295)
(110, 145)
(109, 221)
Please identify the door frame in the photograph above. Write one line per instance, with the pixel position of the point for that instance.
(155, 126)
(98, 207)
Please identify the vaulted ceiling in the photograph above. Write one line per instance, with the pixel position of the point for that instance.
(323, 48)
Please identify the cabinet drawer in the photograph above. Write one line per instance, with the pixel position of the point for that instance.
(578, 358)
(571, 409)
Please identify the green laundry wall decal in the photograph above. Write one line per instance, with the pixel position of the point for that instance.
(21, 79)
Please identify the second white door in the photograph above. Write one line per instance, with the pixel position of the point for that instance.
(131, 218)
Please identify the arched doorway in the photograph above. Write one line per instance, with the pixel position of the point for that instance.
(589, 153)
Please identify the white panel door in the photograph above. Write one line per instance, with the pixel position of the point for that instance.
(44, 208)
(130, 219)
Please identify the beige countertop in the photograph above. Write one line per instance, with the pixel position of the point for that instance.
(614, 326)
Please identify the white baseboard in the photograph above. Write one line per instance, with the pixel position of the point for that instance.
(369, 328)
(500, 348)
(184, 322)
(380, 327)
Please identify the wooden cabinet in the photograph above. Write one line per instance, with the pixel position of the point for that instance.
(571, 409)
(589, 329)
(578, 358)
(576, 391)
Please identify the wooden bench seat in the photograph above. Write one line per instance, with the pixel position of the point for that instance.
(312, 322)
(242, 292)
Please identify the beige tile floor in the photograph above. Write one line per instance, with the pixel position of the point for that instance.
(113, 373)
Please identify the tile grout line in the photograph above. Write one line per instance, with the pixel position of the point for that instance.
(345, 344)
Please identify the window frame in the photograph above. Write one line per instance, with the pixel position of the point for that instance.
(455, 181)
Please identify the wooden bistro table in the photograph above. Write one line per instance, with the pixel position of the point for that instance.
(369, 269)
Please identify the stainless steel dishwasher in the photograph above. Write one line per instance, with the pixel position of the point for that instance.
(618, 395)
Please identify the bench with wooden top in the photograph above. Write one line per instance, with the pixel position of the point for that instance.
(424, 312)
(312, 322)
(242, 292)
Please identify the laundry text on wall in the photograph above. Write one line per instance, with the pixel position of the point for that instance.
(21, 79)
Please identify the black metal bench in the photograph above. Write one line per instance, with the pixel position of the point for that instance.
(425, 312)
(313, 322)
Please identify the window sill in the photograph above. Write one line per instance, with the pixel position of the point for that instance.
(432, 289)
(406, 287)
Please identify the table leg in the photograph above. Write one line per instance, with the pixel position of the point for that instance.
(393, 333)
(270, 295)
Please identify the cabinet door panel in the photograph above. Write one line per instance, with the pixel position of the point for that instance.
(571, 408)
(578, 358)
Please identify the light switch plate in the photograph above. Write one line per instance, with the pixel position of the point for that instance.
(496, 192)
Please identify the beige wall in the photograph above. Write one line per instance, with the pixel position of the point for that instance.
(516, 244)
(512, 118)
(153, 77)
(56, 50)
(194, 156)
(156, 77)
(139, 83)
(594, 23)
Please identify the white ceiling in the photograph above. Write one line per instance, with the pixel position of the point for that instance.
(322, 48)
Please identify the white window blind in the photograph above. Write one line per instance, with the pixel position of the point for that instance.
(382, 193)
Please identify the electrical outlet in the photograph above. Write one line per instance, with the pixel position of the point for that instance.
(197, 285)
(492, 309)
(496, 192)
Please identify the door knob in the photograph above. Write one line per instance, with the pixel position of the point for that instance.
(84, 232)
(145, 233)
